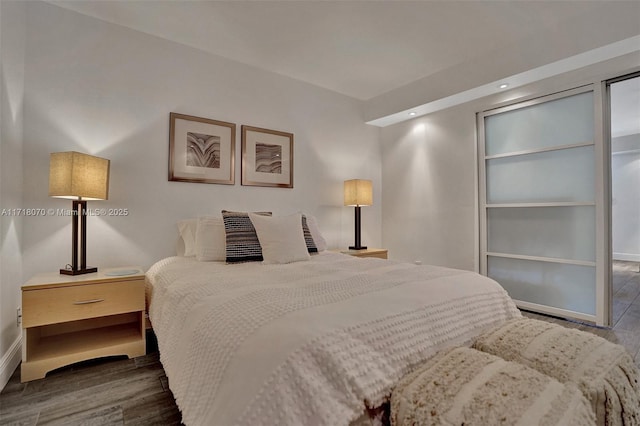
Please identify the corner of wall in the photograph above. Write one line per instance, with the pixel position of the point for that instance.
(12, 48)
(10, 361)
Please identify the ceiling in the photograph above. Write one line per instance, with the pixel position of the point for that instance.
(358, 48)
(369, 49)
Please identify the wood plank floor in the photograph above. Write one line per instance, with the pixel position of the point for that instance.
(135, 392)
(112, 391)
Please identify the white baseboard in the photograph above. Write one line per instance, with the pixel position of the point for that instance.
(9, 361)
(629, 257)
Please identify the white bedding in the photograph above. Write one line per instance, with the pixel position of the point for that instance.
(307, 343)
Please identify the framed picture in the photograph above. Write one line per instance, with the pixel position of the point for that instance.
(201, 150)
(267, 157)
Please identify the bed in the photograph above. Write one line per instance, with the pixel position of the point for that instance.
(315, 342)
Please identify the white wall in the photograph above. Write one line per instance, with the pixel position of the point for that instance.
(625, 186)
(12, 50)
(107, 90)
(428, 173)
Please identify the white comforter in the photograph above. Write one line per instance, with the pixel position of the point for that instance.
(308, 343)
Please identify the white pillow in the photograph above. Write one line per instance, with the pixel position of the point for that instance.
(281, 238)
(318, 239)
(187, 229)
(210, 239)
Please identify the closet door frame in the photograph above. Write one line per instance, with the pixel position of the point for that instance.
(602, 201)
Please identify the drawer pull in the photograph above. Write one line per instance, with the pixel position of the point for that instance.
(86, 302)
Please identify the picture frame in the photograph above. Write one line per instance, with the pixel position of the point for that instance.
(201, 150)
(267, 157)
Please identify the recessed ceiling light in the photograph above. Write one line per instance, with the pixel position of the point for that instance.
(503, 86)
(412, 113)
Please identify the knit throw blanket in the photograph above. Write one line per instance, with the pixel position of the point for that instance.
(603, 371)
(310, 342)
(463, 386)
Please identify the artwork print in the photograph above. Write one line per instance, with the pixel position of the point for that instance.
(267, 157)
(201, 150)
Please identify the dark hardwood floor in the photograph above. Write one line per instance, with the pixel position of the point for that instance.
(135, 392)
(109, 391)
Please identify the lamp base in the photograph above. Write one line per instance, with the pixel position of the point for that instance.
(88, 270)
(357, 248)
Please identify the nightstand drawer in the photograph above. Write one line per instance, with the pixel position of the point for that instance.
(61, 304)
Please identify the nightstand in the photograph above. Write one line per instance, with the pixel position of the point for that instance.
(370, 252)
(66, 319)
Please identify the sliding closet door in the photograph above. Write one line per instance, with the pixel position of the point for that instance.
(541, 207)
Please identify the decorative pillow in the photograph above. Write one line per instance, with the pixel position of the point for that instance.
(281, 238)
(242, 244)
(318, 239)
(210, 239)
(187, 229)
(308, 238)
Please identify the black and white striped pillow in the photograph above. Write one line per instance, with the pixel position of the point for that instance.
(242, 241)
(308, 239)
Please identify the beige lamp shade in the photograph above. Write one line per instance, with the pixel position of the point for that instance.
(78, 176)
(358, 192)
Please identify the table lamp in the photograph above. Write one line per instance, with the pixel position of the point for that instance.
(78, 177)
(357, 193)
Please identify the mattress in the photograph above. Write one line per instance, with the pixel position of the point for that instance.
(314, 342)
